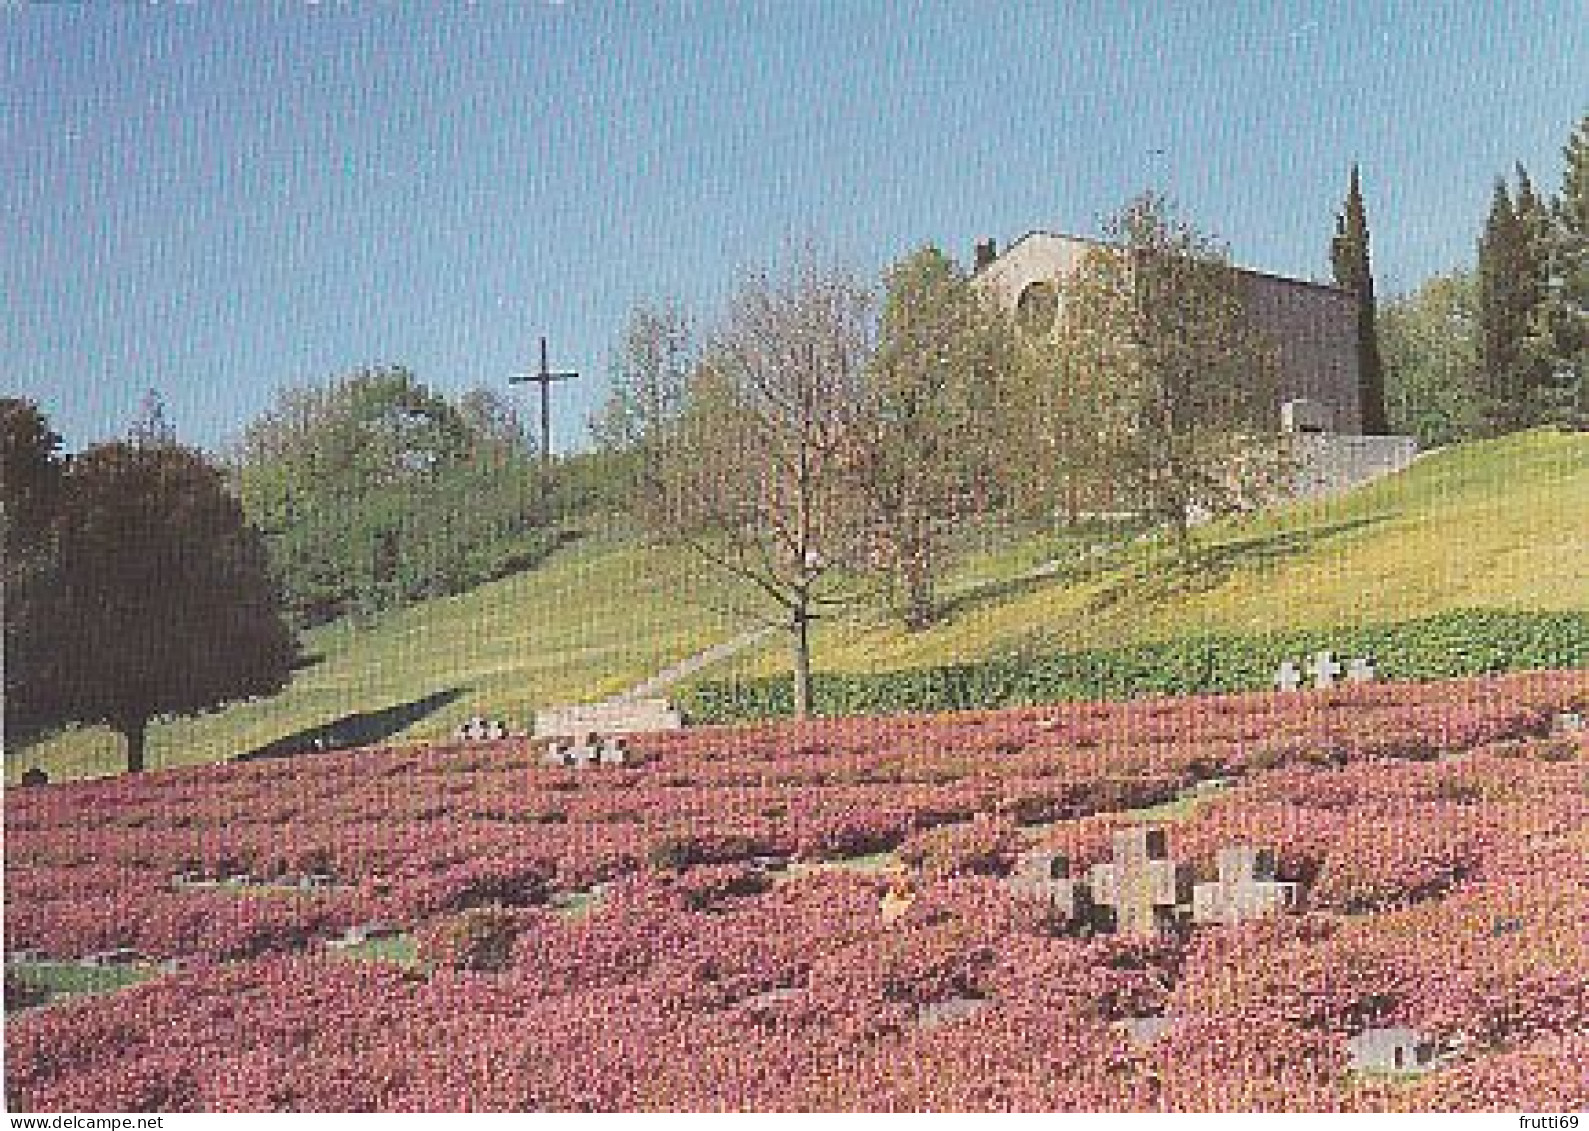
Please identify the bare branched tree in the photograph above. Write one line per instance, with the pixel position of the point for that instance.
(650, 371)
(756, 472)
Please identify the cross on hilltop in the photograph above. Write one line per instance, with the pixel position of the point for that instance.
(543, 377)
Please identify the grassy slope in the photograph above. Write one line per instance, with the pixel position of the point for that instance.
(584, 625)
(1496, 525)
(1499, 524)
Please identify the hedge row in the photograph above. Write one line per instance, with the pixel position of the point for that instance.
(1449, 645)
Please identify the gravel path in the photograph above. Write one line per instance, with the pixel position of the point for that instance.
(687, 667)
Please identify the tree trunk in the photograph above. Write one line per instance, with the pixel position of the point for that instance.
(800, 629)
(136, 732)
(919, 606)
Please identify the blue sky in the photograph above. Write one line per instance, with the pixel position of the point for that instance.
(221, 200)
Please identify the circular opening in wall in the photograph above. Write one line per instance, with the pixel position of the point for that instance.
(1036, 308)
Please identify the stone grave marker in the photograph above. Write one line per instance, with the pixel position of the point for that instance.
(1288, 677)
(1045, 875)
(585, 752)
(476, 728)
(35, 776)
(119, 956)
(1144, 1029)
(1246, 888)
(775, 996)
(1391, 1050)
(1142, 885)
(930, 1014)
(363, 933)
(588, 750)
(1325, 670)
(1360, 670)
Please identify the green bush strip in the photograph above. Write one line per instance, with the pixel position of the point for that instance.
(1448, 645)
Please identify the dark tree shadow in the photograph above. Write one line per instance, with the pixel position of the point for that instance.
(1208, 567)
(361, 729)
(1085, 560)
(980, 596)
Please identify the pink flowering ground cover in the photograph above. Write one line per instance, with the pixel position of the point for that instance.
(813, 916)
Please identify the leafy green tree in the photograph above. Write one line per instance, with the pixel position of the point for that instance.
(1349, 256)
(164, 602)
(929, 445)
(375, 491)
(495, 426)
(31, 474)
(1432, 360)
(1180, 384)
(1061, 408)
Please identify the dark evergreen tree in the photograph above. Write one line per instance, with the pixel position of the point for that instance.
(163, 602)
(1570, 278)
(1349, 256)
(1514, 338)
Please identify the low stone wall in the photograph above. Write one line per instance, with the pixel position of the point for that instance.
(636, 716)
(1329, 463)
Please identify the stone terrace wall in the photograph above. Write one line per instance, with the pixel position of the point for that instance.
(1331, 463)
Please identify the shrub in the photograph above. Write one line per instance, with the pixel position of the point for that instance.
(1448, 645)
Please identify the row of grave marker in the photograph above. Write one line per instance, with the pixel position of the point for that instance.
(1325, 671)
(1142, 891)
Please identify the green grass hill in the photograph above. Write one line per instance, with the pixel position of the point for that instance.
(1501, 524)
(1493, 525)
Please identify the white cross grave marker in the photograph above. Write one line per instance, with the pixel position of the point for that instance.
(1288, 678)
(1360, 670)
(1324, 669)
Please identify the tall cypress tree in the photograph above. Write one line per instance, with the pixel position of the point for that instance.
(1515, 342)
(1536, 350)
(1349, 258)
(1500, 332)
(1570, 275)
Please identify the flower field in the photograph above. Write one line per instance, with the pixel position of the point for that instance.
(814, 916)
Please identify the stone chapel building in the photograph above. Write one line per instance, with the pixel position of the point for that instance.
(1313, 327)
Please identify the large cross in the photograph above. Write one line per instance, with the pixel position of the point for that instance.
(544, 378)
(1142, 884)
